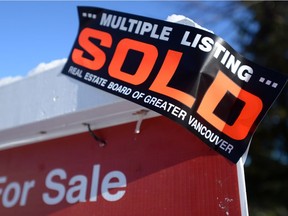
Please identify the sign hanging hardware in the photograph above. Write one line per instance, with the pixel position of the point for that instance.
(141, 114)
(101, 142)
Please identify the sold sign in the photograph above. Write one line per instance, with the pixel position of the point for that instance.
(189, 75)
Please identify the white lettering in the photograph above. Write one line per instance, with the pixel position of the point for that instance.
(79, 190)
(209, 135)
(136, 26)
(113, 180)
(12, 192)
(11, 195)
(28, 185)
(58, 187)
(112, 187)
(168, 107)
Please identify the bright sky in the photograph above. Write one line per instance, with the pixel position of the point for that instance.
(40, 32)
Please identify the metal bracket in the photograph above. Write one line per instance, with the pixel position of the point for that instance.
(141, 114)
(101, 142)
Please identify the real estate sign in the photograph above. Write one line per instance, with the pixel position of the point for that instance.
(187, 74)
(164, 170)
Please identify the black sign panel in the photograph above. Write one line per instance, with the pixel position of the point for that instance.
(186, 74)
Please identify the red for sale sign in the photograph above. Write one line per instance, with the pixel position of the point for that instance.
(164, 170)
(186, 74)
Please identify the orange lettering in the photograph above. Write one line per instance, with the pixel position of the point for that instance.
(220, 86)
(98, 56)
(215, 93)
(165, 74)
(145, 67)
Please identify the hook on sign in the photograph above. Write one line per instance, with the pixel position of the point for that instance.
(141, 114)
(101, 142)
